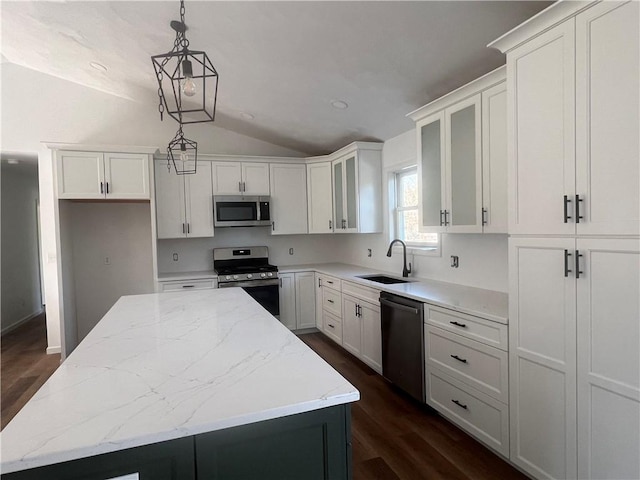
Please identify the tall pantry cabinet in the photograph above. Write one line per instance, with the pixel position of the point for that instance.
(574, 250)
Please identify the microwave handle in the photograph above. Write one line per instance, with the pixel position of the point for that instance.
(258, 213)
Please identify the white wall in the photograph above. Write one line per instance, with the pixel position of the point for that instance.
(20, 277)
(121, 232)
(483, 258)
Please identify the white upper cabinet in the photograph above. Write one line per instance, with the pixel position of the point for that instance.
(494, 159)
(240, 178)
(357, 189)
(542, 133)
(288, 198)
(319, 197)
(184, 203)
(461, 141)
(95, 175)
(607, 125)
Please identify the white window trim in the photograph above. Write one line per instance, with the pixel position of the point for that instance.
(412, 249)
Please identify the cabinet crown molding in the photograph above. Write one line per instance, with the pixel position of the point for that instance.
(81, 147)
(540, 23)
(482, 83)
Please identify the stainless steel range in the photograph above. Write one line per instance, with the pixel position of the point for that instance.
(249, 268)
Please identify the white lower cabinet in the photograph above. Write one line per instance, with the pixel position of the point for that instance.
(297, 300)
(172, 286)
(332, 326)
(575, 357)
(351, 325)
(466, 364)
(329, 309)
(361, 325)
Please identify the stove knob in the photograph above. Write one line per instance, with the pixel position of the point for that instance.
(270, 274)
(263, 275)
(227, 277)
(235, 277)
(249, 275)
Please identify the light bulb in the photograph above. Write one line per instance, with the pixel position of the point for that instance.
(184, 156)
(189, 87)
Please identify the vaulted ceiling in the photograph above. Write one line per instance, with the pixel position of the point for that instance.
(282, 63)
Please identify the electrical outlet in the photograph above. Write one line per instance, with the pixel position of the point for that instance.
(368, 252)
(291, 251)
(107, 261)
(175, 257)
(455, 261)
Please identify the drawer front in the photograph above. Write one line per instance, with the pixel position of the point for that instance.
(480, 366)
(327, 281)
(332, 327)
(482, 416)
(363, 293)
(332, 301)
(475, 328)
(187, 285)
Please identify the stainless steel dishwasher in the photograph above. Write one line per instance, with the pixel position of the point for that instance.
(403, 343)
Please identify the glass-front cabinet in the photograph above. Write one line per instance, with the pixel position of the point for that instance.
(345, 195)
(450, 169)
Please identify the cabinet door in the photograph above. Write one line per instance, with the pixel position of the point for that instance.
(371, 351)
(199, 201)
(351, 194)
(288, 198)
(170, 200)
(227, 178)
(319, 298)
(351, 326)
(80, 174)
(431, 173)
(319, 198)
(255, 178)
(288, 300)
(542, 357)
(607, 99)
(305, 300)
(494, 159)
(126, 176)
(339, 218)
(540, 76)
(608, 359)
(464, 166)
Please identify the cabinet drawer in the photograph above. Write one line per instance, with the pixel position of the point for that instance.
(475, 328)
(327, 281)
(187, 285)
(332, 326)
(361, 292)
(480, 366)
(482, 416)
(332, 301)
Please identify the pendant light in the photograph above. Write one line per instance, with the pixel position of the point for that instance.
(183, 154)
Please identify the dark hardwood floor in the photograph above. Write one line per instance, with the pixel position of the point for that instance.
(397, 438)
(25, 366)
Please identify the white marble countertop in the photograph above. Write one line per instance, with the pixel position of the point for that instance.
(488, 304)
(169, 365)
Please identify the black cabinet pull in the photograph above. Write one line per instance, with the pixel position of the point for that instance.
(567, 201)
(458, 324)
(330, 301)
(578, 216)
(183, 229)
(463, 360)
(356, 306)
(188, 286)
(484, 218)
(330, 225)
(188, 227)
(441, 220)
(344, 223)
(566, 263)
(319, 282)
(328, 324)
(462, 405)
(101, 187)
(107, 188)
(329, 282)
(578, 271)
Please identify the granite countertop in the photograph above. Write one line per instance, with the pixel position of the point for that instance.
(169, 365)
(487, 304)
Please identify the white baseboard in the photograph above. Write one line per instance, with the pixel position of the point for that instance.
(15, 325)
(52, 350)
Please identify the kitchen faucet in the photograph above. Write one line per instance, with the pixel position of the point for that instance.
(405, 271)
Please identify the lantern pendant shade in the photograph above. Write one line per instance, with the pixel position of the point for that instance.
(188, 85)
(183, 154)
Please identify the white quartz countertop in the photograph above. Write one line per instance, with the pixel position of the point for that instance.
(169, 365)
(488, 304)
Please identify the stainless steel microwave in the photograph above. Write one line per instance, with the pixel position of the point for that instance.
(241, 211)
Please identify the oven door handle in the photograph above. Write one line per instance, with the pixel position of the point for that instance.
(251, 283)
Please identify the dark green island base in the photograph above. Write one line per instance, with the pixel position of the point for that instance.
(306, 446)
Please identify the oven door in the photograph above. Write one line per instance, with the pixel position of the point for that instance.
(265, 292)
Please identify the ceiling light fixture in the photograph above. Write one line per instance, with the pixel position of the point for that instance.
(339, 104)
(192, 85)
(98, 66)
(183, 154)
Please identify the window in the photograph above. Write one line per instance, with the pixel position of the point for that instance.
(406, 218)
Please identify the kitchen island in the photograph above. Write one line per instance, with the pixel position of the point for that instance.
(170, 384)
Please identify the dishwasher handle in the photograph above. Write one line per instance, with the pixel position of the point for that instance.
(399, 306)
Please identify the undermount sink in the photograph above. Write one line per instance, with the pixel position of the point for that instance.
(382, 279)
